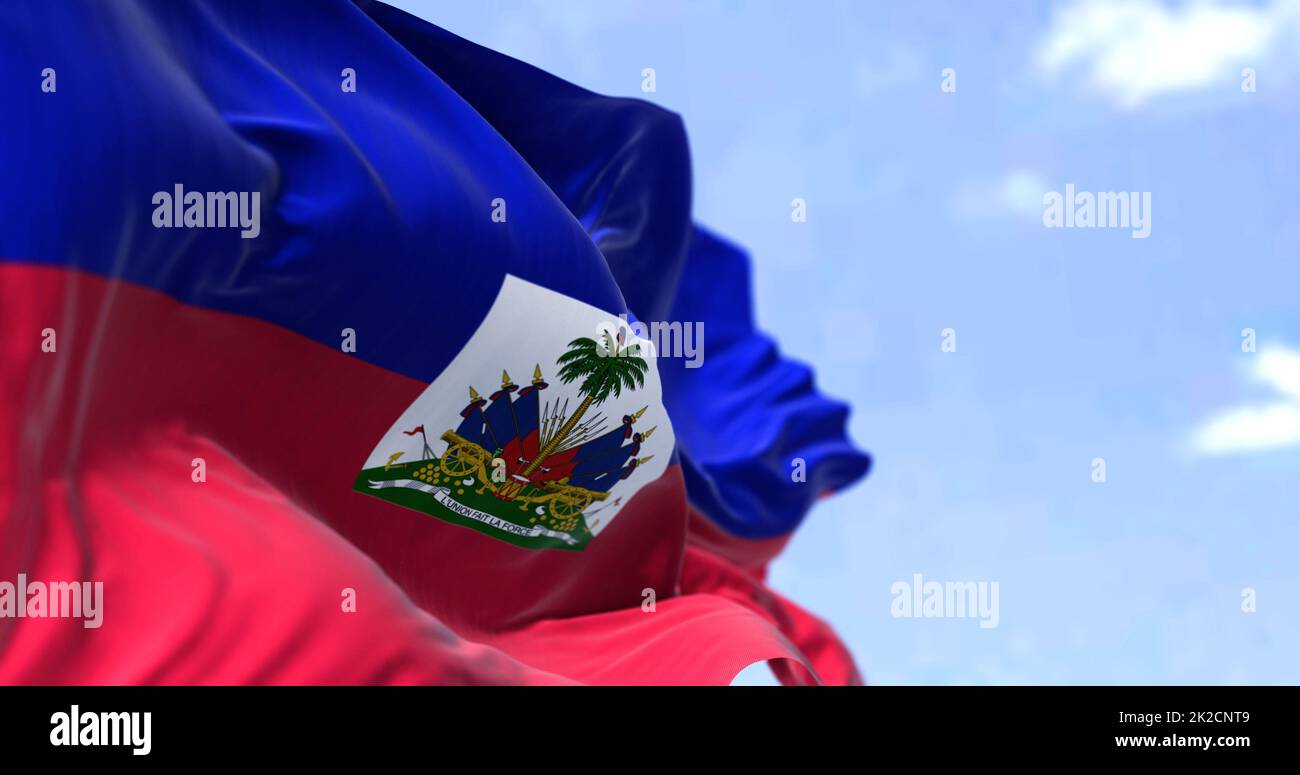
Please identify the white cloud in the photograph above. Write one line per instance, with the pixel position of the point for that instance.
(1131, 51)
(1251, 428)
(876, 74)
(1018, 193)
(1281, 369)
(1264, 426)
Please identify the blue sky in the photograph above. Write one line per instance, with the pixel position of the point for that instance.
(925, 213)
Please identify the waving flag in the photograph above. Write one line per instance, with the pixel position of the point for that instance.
(266, 271)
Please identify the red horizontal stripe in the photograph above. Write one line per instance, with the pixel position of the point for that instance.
(96, 441)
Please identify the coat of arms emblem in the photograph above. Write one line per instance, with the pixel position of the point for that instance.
(545, 465)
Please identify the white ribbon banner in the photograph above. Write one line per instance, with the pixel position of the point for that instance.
(443, 496)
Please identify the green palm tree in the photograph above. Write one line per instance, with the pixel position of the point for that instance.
(605, 368)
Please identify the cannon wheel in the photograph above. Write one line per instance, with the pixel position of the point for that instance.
(568, 506)
(456, 463)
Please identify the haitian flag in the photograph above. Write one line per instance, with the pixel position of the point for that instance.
(266, 272)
